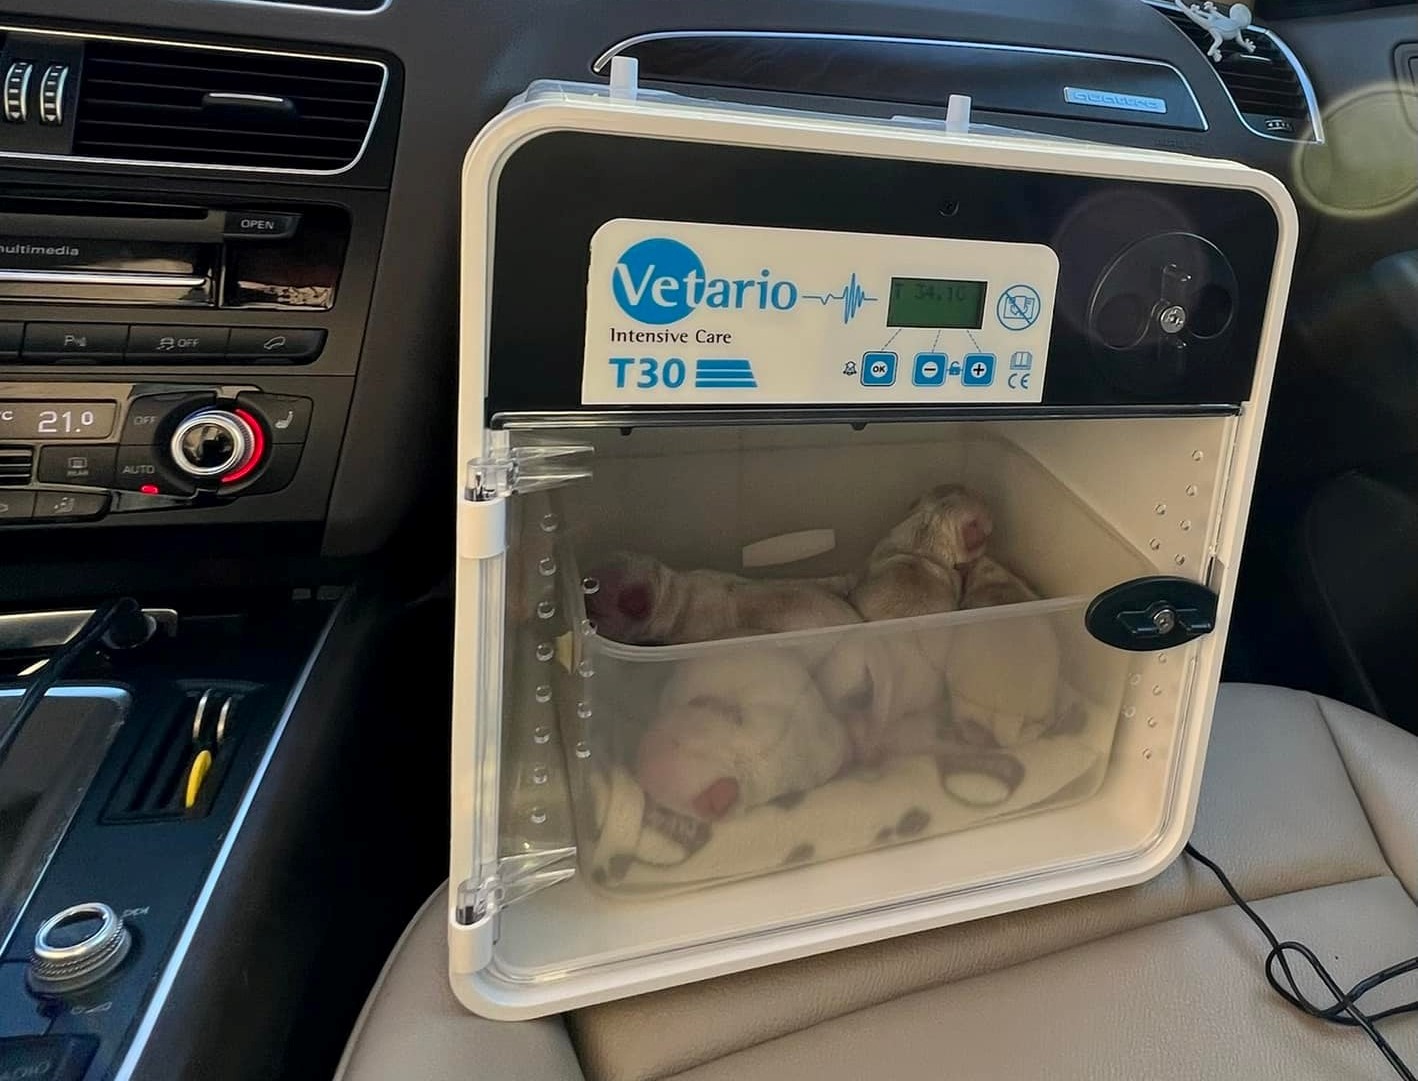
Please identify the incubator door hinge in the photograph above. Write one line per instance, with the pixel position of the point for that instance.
(517, 877)
(482, 525)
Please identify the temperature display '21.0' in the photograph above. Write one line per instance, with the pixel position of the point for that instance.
(57, 420)
(936, 303)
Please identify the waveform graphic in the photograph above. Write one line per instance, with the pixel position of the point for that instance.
(852, 296)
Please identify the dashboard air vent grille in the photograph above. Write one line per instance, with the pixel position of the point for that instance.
(169, 103)
(15, 465)
(1264, 84)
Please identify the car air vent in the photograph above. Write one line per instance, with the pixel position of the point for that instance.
(882, 75)
(201, 106)
(1267, 86)
(15, 465)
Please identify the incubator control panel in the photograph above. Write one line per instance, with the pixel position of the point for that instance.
(694, 314)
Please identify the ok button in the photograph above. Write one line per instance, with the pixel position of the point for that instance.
(878, 369)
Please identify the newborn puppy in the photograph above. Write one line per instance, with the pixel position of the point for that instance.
(1003, 675)
(736, 731)
(917, 568)
(988, 583)
(643, 602)
(889, 687)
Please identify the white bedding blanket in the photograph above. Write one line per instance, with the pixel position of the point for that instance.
(641, 847)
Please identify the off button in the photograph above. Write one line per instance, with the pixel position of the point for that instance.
(146, 414)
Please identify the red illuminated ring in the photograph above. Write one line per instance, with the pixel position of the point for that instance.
(258, 449)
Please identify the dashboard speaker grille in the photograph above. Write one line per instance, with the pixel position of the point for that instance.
(1264, 85)
(169, 103)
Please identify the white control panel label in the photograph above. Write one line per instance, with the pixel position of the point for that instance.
(685, 313)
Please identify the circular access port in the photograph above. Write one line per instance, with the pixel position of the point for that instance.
(1122, 321)
(77, 947)
(1211, 311)
(212, 443)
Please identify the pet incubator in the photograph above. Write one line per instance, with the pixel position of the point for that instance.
(745, 340)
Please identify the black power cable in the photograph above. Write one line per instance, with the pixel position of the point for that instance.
(121, 621)
(1345, 1010)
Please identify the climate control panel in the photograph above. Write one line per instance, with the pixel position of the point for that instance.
(112, 449)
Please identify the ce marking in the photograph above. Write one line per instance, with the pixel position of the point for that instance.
(1019, 380)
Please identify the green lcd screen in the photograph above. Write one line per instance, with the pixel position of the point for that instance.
(936, 303)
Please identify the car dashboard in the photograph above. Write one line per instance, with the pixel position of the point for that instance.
(229, 284)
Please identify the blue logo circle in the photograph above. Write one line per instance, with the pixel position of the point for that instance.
(1019, 307)
(658, 280)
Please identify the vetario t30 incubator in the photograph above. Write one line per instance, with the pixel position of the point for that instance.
(849, 513)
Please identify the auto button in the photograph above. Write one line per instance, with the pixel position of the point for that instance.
(138, 469)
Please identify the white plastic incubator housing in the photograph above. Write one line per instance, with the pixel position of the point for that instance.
(571, 883)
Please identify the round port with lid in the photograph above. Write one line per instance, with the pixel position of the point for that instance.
(77, 947)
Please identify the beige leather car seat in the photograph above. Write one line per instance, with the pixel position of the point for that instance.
(1310, 805)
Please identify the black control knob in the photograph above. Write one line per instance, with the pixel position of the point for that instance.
(217, 444)
(77, 947)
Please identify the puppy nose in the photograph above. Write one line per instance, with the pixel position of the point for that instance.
(717, 800)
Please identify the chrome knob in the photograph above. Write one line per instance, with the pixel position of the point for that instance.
(214, 443)
(77, 947)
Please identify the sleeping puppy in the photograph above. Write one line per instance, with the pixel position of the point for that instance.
(889, 685)
(917, 569)
(736, 731)
(643, 602)
(1002, 675)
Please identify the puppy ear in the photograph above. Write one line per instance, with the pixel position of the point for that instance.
(974, 532)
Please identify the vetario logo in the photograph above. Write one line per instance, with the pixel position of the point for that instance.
(661, 280)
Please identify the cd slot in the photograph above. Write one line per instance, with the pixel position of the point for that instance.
(93, 251)
(95, 277)
(45, 266)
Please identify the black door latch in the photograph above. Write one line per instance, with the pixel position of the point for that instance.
(1151, 613)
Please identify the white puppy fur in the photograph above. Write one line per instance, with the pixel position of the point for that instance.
(641, 601)
(889, 685)
(1002, 674)
(735, 731)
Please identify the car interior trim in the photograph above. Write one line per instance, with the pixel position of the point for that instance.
(313, 8)
(1306, 86)
(207, 166)
(136, 1046)
(602, 62)
(112, 694)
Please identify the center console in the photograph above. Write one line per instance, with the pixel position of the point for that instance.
(119, 448)
(188, 238)
(189, 235)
